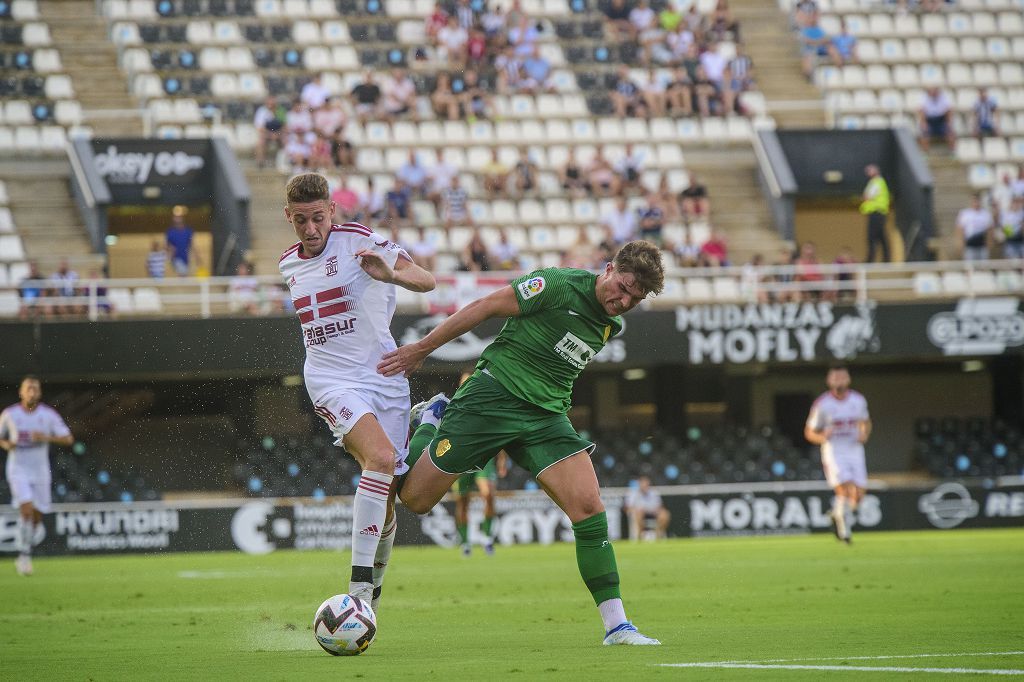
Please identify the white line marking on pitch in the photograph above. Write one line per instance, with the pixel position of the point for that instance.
(858, 668)
(882, 658)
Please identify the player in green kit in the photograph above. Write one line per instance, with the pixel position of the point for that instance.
(518, 397)
(484, 482)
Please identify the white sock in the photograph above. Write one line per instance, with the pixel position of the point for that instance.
(839, 514)
(429, 418)
(369, 509)
(612, 613)
(848, 518)
(26, 531)
(380, 560)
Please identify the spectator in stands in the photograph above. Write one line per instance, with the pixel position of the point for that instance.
(346, 200)
(581, 254)
(268, 124)
(678, 42)
(179, 242)
(985, 115)
(739, 79)
(330, 120)
(643, 503)
(398, 95)
(536, 76)
(244, 291)
(504, 254)
(1018, 185)
(617, 24)
(509, 68)
(398, 204)
(494, 23)
(314, 94)
(935, 118)
(695, 21)
(652, 219)
(653, 92)
(571, 175)
(476, 102)
(33, 291)
(646, 29)
(298, 150)
(65, 286)
(1011, 229)
(715, 251)
(974, 224)
(706, 93)
(476, 49)
(875, 205)
(814, 43)
(455, 205)
(844, 46)
(693, 201)
(103, 304)
(784, 289)
(805, 13)
(495, 176)
(679, 93)
(436, 21)
(722, 25)
(845, 260)
(320, 149)
(808, 271)
(523, 36)
(372, 204)
(423, 250)
(601, 178)
(156, 260)
(687, 253)
(366, 98)
(670, 17)
(753, 279)
(443, 99)
(626, 96)
(475, 255)
(714, 65)
(629, 169)
(439, 178)
(524, 173)
(299, 119)
(413, 175)
(667, 199)
(620, 222)
(451, 42)
(1000, 196)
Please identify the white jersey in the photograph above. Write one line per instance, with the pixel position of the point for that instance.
(843, 416)
(649, 502)
(345, 313)
(18, 424)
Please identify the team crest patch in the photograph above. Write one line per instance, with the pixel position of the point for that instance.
(442, 447)
(531, 287)
(332, 266)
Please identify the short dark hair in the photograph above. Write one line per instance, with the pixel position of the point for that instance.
(306, 188)
(838, 367)
(642, 259)
(29, 377)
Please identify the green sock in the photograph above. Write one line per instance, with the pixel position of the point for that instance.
(463, 532)
(486, 525)
(420, 439)
(596, 558)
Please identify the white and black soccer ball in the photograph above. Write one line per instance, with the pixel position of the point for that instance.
(344, 625)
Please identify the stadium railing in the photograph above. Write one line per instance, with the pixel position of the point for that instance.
(222, 296)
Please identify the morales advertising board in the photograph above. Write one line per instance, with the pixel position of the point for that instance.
(261, 526)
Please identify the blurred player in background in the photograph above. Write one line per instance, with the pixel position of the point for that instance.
(342, 280)
(484, 482)
(26, 430)
(558, 319)
(839, 422)
(645, 503)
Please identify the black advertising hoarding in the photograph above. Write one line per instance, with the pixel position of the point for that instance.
(262, 526)
(150, 162)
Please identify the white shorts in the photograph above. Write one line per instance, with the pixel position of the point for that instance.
(30, 486)
(342, 409)
(846, 469)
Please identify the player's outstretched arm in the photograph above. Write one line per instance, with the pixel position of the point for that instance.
(408, 358)
(863, 430)
(405, 274)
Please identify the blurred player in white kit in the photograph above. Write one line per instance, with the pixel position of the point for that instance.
(26, 430)
(839, 422)
(342, 280)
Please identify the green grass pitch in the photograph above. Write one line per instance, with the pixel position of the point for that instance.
(524, 614)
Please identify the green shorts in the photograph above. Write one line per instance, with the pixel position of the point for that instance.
(467, 482)
(484, 418)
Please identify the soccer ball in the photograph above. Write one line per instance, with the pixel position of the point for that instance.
(344, 625)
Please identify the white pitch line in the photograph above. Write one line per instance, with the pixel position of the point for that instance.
(882, 658)
(845, 668)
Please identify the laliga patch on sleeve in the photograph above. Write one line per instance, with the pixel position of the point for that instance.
(531, 287)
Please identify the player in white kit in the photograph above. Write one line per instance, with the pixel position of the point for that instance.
(839, 422)
(26, 430)
(342, 281)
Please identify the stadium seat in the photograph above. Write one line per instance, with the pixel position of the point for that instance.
(11, 248)
(36, 34)
(6, 219)
(147, 300)
(10, 304)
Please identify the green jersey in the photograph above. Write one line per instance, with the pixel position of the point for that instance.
(561, 327)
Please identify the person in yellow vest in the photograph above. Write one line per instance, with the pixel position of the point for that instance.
(875, 205)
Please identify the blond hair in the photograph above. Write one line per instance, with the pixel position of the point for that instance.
(642, 259)
(307, 188)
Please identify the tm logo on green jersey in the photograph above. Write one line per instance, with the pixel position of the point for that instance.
(572, 348)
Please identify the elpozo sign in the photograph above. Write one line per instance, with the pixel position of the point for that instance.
(978, 326)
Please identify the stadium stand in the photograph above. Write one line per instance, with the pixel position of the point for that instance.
(951, 447)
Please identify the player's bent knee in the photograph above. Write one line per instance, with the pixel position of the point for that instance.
(383, 462)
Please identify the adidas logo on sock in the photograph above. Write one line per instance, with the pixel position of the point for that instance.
(370, 530)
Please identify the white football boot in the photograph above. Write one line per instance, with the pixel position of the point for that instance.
(23, 564)
(626, 633)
